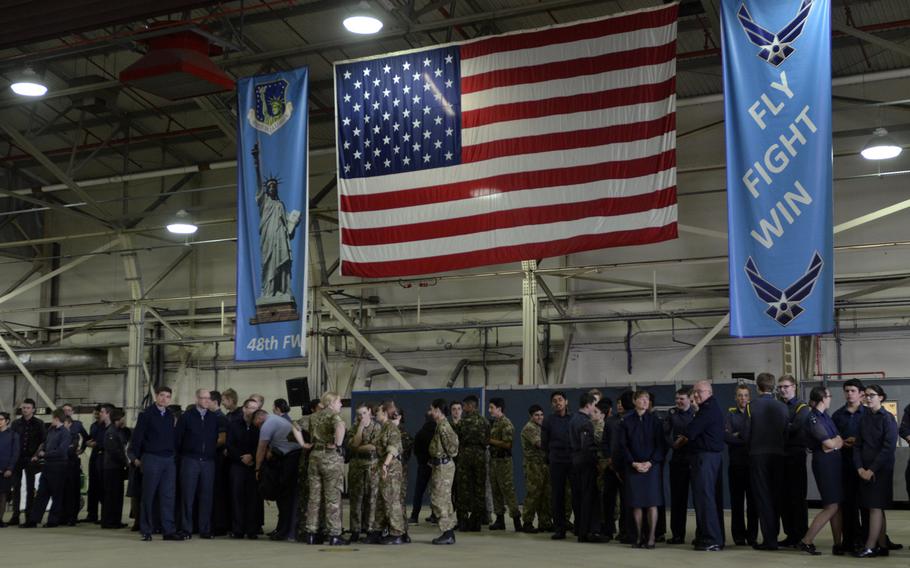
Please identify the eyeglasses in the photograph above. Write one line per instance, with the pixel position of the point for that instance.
(870, 394)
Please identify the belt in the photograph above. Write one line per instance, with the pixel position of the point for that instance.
(368, 456)
(439, 461)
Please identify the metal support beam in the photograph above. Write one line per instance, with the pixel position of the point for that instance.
(35, 268)
(25, 372)
(702, 231)
(873, 289)
(529, 312)
(671, 374)
(166, 325)
(552, 298)
(870, 38)
(869, 217)
(560, 371)
(228, 128)
(346, 322)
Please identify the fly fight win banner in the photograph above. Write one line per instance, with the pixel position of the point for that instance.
(271, 216)
(777, 99)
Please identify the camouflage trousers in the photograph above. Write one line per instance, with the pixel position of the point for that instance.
(326, 480)
(471, 477)
(390, 501)
(404, 495)
(503, 487)
(363, 490)
(441, 495)
(537, 494)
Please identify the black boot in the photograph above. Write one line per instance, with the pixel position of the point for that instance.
(337, 541)
(355, 536)
(499, 524)
(476, 523)
(517, 521)
(373, 537)
(447, 537)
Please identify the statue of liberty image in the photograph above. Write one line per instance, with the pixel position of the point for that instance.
(276, 229)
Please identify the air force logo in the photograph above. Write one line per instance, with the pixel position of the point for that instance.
(272, 109)
(784, 305)
(775, 48)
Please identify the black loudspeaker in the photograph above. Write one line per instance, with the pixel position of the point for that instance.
(298, 391)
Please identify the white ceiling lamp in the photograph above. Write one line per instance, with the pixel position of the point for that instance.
(881, 146)
(27, 83)
(182, 224)
(362, 20)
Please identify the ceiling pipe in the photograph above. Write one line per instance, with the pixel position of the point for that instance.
(58, 360)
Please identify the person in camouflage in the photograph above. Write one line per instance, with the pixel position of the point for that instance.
(326, 470)
(388, 447)
(537, 475)
(407, 448)
(363, 486)
(443, 449)
(471, 476)
(501, 435)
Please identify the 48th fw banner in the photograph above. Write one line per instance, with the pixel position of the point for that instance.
(777, 99)
(271, 216)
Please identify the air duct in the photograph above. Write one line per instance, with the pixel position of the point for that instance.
(58, 360)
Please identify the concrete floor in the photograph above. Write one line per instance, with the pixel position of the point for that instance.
(90, 547)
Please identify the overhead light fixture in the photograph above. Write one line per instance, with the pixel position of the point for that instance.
(28, 83)
(182, 224)
(881, 146)
(362, 20)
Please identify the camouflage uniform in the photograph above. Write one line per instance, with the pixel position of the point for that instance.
(473, 433)
(389, 442)
(443, 447)
(407, 447)
(325, 475)
(501, 468)
(363, 485)
(537, 477)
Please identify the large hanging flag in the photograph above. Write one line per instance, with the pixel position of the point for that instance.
(777, 98)
(507, 148)
(271, 216)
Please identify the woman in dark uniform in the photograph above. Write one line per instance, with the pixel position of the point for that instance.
(873, 457)
(825, 444)
(641, 445)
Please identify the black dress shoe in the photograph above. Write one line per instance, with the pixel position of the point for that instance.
(337, 541)
(447, 537)
(892, 545)
(173, 537)
(391, 539)
(412, 520)
(236, 536)
(184, 535)
(146, 537)
(709, 548)
(765, 546)
(276, 537)
(405, 538)
(676, 540)
(787, 543)
(558, 535)
(838, 550)
(28, 525)
(865, 553)
(882, 551)
(205, 536)
(808, 549)
(528, 528)
(739, 542)
(648, 546)
(50, 525)
(252, 537)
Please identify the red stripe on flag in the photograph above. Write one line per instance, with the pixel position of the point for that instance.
(569, 140)
(577, 32)
(520, 217)
(556, 177)
(567, 105)
(503, 255)
(570, 68)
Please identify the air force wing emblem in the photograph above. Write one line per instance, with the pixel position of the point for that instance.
(272, 109)
(775, 48)
(784, 305)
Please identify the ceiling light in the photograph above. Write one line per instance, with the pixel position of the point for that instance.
(362, 24)
(28, 84)
(182, 224)
(881, 146)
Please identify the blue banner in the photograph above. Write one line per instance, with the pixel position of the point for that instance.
(272, 216)
(777, 103)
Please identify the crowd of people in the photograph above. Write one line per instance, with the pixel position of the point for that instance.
(207, 469)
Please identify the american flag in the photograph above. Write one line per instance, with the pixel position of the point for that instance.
(507, 148)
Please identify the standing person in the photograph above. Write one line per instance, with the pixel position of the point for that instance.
(326, 470)
(31, 431)
(768, 420)
(610, 482)
(95, 441)
(794, 510)
(114, 467)
(873, 458)
(456, 411)
(502, 433)
(583, 448)
(9, 457)
(152, 448)
(388, 448)
(282, 409)
(903, 432)
(221, 495)
(743, 512)
(229, 404)
(275, 445)
(197, 443)
(73, 474)
(537, 475)
(705, 437)
(678, 419)
(473, 435)
(54, 451)
(847, 419)
(443, 449)
(363, 485)
(825, 444)
(242, 443)
(422, 455)
(641, 444)
(555, 444)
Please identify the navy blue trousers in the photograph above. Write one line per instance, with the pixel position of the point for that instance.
(197, 481)
(51, 488)
(706, 480)
(159, 479)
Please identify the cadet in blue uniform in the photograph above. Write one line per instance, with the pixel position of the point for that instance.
(904, 432)
(847, 419)
(554, 438)
(197, 441)
(705, 438)
(584, 471)
(873, 458)
(767, 436)
(743, 512)
(242, 442)
(95, 463)
(794, 511)
(678, 420)
(825, 444)
(54, 451)
(642, 447)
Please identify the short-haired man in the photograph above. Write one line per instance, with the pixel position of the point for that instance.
(794, 509)
(443, 448)
(55, 451)
(114, 467)
(537, 475)
(502, 434)
(678, 419)
(743, 513)
(153, 448)
(31, 432)
(197, 442)
(767, 437)
(847, 419)
(583, 450)
(274, 433)
(555, 443)
(473, 436)
(96, 433)
(242, 442)
(705, 437)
